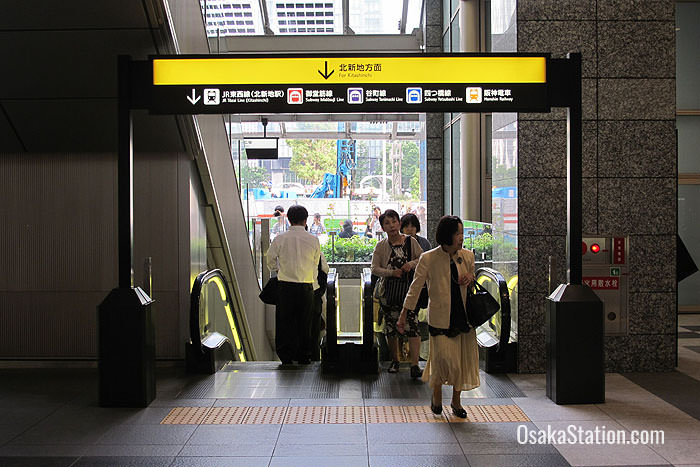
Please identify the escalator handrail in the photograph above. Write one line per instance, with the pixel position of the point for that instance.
(367, 305)
(331, 325)
(195, 297)
(497, 277)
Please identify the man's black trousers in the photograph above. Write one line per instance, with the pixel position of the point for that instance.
(293, 321)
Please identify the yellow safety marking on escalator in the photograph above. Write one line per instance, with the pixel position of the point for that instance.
(345, 414)
(226, 416)
(305, 415)
(185, 416)
(339, 415)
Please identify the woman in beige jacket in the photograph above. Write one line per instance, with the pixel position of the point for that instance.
(454, 357)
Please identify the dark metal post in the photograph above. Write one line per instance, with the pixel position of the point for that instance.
(574, 316)
(126, 343)
(574, 176)
(125, 175)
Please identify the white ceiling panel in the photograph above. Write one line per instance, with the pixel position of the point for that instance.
(71, 14)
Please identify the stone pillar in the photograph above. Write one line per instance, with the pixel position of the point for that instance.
(435, 184)
(629, 168)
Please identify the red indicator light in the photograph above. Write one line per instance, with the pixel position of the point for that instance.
(595, 248)
(584, 247)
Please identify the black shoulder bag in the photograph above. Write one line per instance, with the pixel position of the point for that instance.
(270, 292)
(423, 298)
(481, 305)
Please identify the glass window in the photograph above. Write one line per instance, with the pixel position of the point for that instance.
(688, 206)
(687, 55)
(456, 169)
(446, 14)
(447, 169)
(454, 30)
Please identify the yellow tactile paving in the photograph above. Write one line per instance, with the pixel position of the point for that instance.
(305, 415)
(345, 414)
(504, 413)
(185, 416)
(226, 416)
(339, 414)
(265, 416)
(421, 414)
(474, 414)
(384, 414)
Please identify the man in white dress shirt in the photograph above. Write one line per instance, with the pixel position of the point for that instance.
(295, 255)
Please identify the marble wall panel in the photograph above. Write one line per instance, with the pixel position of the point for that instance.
(652, 313)
(532, 355)
(559, 38)
(590, 205)
(542, 206)
(630, 49)
(634, 99)
(531, 313)
(636, 10)
(648, 352)
(637, 205)
(590, 148)
(637, 148)
(434, 122)
(589, 98)
(433, 13)
(542, 148)
(533, 262)
(433, 36)
(539, 10)
(652, 263)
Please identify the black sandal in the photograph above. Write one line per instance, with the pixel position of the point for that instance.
(437, 409)
(459, 412)
(394, 367)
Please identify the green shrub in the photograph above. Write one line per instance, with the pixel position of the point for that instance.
(347, 250)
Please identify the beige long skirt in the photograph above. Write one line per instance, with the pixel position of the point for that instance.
(453, 361)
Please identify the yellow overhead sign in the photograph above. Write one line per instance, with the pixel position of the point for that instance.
(349, 70)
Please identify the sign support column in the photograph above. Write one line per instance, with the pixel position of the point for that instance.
(126, 334)
(574, 317)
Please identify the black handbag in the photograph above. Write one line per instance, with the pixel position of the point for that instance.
(423, 298)
(395, 290)
(270, 292)
(481, 305)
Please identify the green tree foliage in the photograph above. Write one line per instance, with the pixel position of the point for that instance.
(255, 177)
(410, 168)
(311, 158)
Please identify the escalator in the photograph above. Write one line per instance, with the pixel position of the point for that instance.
(349, 352)
(214, 329)
(498, 336)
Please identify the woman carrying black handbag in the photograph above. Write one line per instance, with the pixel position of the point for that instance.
(454, 355)
(393, 258)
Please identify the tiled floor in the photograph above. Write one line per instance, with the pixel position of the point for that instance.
(689, 345)
(51, 418)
